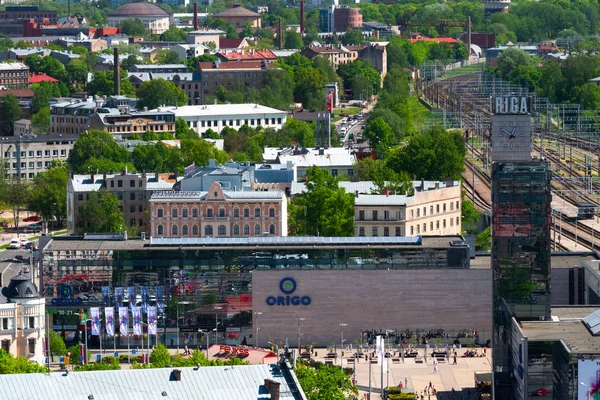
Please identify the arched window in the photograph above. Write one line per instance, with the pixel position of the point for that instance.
(246, 212)
(184, 230)
(208, 230)
(236, 229)
(257, 229)
(174, 230)
(159, 212)
(246, 229)
(184, 213)
(272, 229)
(195, 230)
(159, 230)
(194, 213)
(209, 212)
(236, 212)
(257, 212)
(174, 212)
(222, 230)
(271, 212)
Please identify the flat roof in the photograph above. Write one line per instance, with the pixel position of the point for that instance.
(573, 333)
(12, 66)
(221, 110)
(570, 260)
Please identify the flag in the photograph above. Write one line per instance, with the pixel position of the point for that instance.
(136, 313)
(379, 350)
(160, 305)
(123, 321)
(131, 295)
(151, 320)
(145, 298)
(119, 296)
(109, 313)
(106, 295)
(95, 316)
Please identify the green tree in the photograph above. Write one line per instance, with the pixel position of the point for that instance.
(310, 88)
(10, 364)
(94, 145)
(9, 113)
(100, 213)
(325, 382)
(396, 56)
(200, 151)
(160, 356)
(511, 59)
(48, 197)
(353, 37)
(324, 209)
(380, 136)
(166, 56)
(15, 194)
(279, 89)
(469, 215)
(350, 70)
(41, 99)
(183, 131)
(293, 40)
(157, 92)
(77, 71)
(57, 345)
(53, 67)
(40, 121)
(129, 62)
(133, 27)
(173, 34)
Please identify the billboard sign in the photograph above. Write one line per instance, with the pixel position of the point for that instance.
(589, 378)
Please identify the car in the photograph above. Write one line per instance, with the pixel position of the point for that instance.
(32, 218)
(30, 246)
(543, 392)
(15, 244)
(35, 227)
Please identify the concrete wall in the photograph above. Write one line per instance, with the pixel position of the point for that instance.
(372, 299)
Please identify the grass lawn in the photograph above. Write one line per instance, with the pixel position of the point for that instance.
(419, 113)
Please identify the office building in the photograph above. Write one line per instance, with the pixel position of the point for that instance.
(14, 75)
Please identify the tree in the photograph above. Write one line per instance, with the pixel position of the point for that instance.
(57, 345)
(77, 71)
(325, 382)
(470, 216)
(15, 194)
(183, 131)
(53, 67)
(396, 56)
(199, 151)
(380, 136)
(9, 113)
(133, 27)
(353, 36)
(93, 145)
(157, 92)
(350, 70)
(309, 89)
(41, 99)
(512, 58)
(40, 121)
(324, 209)
(293, 40)
(279, 89)
(48, 197)
(129, 62)
(10, 364)
(160, 356)
(173, 34)
(100, 213)
(166, 56)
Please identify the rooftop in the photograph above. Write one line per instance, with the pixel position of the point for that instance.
(13, 66)
(84, 183)
(160, 66)
(238, 55)
(236, 11)
(220, 110)
(308, 157)
(137, 10)
(229, 195)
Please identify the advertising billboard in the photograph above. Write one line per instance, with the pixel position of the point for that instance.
(589, 379)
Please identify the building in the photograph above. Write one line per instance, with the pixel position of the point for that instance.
(218, 213)
(336, 160)
(30, 155)
(189, 82)
(132, 190)
(22, 319)
(19, 13)
(431, 209)
(239, 16)
(231, 44)
(155, 19)
(187, 51)
(14, 75)
(271, 381)
(21, 127)
(240, 75)
(249, 55)
(494, 6)
(218, 116)
(345, 18)
(160, 68)
(123, 123)
(205, 36)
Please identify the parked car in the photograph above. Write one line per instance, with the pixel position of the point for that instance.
(32, 218)
(15, 244)
(30, 246)
(35, 227)
(543, 392)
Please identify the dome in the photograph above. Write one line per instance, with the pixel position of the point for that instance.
(139, 10)
(21, 287)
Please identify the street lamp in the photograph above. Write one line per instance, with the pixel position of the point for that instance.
(256, 314)
(207, 334)
(342, 343)
(217, 308)
(299, 334)
(588, 389)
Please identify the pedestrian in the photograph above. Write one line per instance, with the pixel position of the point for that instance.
(454, 363)
(429, 385)
(484, 351)
(172, 342)
(406, 382)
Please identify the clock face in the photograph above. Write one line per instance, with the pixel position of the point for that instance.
(511, 134)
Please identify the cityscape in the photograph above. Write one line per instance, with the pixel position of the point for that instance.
(302, 200)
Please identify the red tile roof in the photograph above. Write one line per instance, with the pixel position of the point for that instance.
(41, 77)
(247, 55)
(438, 40)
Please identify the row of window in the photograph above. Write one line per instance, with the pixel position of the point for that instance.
(386, 231)
(210, 213)
(35, 154)
(209, 230)
(30, 345)
(386, 215)
(238, 122)
(437, 209)
(32, 165)
(229, 75)
(7, 323)
(437, 225)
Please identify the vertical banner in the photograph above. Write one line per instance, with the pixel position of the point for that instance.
(136, 314)
(131, 292)
(95, 316)
(106, 295)
(379, 350)
(109, 314)
(151, 320)
(119, 296)
(160, 294)
(145, 298)
(123, 321)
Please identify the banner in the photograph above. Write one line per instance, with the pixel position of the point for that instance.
(145, 298)
(131, 292)
(380, 349)
(119, 296)
(95, 316)
(151, 320)
(106, 295)
(160, 304)
(123, 321)
(136, 314)
(109, 314)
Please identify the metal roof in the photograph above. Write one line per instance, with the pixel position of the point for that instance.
(224, 110)
(288, 240)
(244, 382)
(380, 200)
(229, 195)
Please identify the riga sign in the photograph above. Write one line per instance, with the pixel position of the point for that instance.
(510, 105)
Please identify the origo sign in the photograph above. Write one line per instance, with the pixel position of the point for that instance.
(288, 287)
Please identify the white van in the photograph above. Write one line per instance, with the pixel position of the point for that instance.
(342, 131)
(15, 244)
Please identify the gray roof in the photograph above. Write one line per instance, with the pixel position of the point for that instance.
(159, 66)
(229, 195)
(380, 200)
(244, 382)
(83, 183)
(21, 287)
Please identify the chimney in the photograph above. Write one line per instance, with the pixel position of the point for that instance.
(92, 177)
(116, 76)
(156, 176)
(422, 184)
(272, 388)
(176, 375)
(280, 34)
(302, 18)
(196, 16)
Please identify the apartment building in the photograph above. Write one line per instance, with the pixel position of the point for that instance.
(124, 124)
(22, 319)
(432, 209)
(218, 213)
(14, 75)
(239, 75)
(189, 82)
(132, 190)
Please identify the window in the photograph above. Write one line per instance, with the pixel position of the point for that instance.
(159, 213)
(257, 212)
(236, 230)
(451, 206)
(452, 220)
(131, 209)
(6, 345)
(246, 229)
(334, 172)
(437, 208)
(120, 196)
(418, 229)
(430, 210)
(209, 212)
(222, 230)
(398, 231)
(194, 212)
(221, 212)
(425, 227)
(424, 211)
(31, 345)
(195, 230)
(31, 322)
(386, 231)
(374, 231)
(174, 230)
(412, 232)
(418, 212)
(131, 196)
(131, 183)
(184, 230)
(457, 205)
(119, 183)
(444, 207)
(431, 226)
(208, 230)
(80, 197)
(271, 212)
(361, 215)
(236, 212)
(437, 224)
(271, 229)
(5, 323)
(375, 217)
(159, 230)
(184, 213)
(174, 213)
(457, 221)
(361, 231)
(257, 229)
(246, 212)
(444, 224)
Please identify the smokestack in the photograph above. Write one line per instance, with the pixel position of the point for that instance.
(469, 35)
(280, 34)
(196, 16)
(116, 76)
(302, 18)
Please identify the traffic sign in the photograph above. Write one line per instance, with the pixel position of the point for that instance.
(98, 357)
(133, 351)
(62, 360)
(116, 354)
(81, 358)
